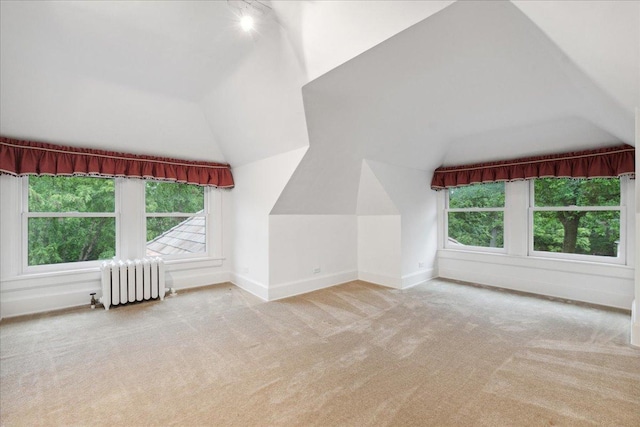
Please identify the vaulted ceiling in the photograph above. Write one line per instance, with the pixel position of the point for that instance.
(412, 84)
(477, 81)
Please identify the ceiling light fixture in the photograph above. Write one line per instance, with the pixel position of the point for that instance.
(246, 22)
(249, 12)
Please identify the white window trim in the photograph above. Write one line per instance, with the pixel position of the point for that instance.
(518, 233)
(452, 246)
(62, 266)
(130, 230)
(622, 248)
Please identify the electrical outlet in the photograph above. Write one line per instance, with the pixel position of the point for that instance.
(316, 270)
(245, 269)
(421, 265)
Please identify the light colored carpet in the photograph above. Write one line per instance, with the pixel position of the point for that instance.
(440, 354)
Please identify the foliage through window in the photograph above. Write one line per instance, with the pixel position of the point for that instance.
(175, 219)
(475, 216)
(70, 219)
(573, 216)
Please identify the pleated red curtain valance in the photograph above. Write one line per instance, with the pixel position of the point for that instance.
(604, 162)
(19, 157)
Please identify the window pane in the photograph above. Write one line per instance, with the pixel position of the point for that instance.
(484, 229)
(577, 192)
(163, 197)
(71, 194)
(173, 235)
(58, 240)
(489, 195)
(577, 232)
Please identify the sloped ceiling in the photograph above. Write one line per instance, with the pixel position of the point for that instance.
(326, 34)
(114, 75)
(178, 78)
(601, 37)
(468, 78)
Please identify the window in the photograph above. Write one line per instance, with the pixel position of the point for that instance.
(475, 216)
(71, 222)
(579, 219)
(175, 219)
(69, 219)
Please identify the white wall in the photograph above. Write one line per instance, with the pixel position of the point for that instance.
(309, 252)
(258, 186)
(379, 232)
(380, 249)
(589, 282)
(409, 190)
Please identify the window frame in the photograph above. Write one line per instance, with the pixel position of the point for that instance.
(130, 230)
(452, 246)
(621, 259)
(26, 214)
(205, 214)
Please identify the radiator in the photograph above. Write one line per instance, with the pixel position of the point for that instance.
(132, 281)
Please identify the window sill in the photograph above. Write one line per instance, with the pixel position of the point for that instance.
(476, 249)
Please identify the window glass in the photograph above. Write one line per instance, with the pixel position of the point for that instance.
(574, 216)
(476, 216)
(62, 240)
(71, 194)
(169, 230)
(70, 219)
(577, 192)
(577, 232)
(490, 195)
(168, 197)
(484, 229)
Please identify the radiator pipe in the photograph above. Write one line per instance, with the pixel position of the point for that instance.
(93, 300)
(171, 291)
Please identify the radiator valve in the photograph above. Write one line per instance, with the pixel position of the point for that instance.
(93, 300)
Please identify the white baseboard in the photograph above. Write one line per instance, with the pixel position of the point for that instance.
(418, 278)
(189, 279)
(256, 288)
(298, 287)
(380, 279)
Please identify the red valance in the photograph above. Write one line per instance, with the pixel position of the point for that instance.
(19, 157)
(601, 163)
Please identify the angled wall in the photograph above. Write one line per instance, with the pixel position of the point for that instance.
(379, 233)
(409, 190)
(258, 186)
(310, 252)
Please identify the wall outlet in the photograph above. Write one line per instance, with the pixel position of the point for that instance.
(245, 269)
(316, 270)
(421, 265)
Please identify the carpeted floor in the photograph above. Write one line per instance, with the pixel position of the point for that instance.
(439, 354)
